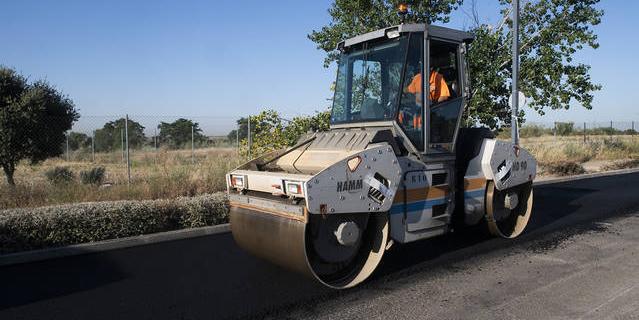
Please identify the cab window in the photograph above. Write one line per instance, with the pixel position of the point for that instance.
(368, 81)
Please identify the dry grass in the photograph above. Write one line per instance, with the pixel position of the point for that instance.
(155, 175)
(171, 173)
(552, 152)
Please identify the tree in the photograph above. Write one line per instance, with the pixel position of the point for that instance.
(320, 121)
(353, 17)
(268, 131)
(267, 134)
(178, 133)
(552, 31)
(33, 121)
(110, 137)
(78, 140)
(242, 123)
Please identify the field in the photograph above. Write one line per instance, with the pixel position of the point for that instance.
(167, 174)
(154, 175)
(565, 155)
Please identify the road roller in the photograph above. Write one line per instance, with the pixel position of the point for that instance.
(395, 166)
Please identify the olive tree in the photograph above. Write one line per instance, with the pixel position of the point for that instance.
(34, 118)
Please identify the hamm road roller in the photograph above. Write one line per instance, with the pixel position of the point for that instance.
(395, 167)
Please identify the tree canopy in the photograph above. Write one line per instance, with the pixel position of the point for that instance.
(79, 140)
(350, 18)
(177, 134)
(110, 137)
(552, 31)
(33, 120)
(269, 131)
(242, 124)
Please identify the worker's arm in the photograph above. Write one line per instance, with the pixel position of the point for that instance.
(415, 85)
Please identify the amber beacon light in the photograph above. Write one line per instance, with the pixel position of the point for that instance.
(402, 8)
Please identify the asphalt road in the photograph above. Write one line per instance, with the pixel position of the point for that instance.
(578, 258)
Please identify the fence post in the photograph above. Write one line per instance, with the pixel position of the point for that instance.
(633, 129)
(611, 129)
(584, 132)
(249, 138)
(128, 160)
(68, 158)
(93, 146)
(192, 145)
(122, 137)
(237, 138)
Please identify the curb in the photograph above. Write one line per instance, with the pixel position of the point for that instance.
(135, 241)
(107, 245)
(585, 176)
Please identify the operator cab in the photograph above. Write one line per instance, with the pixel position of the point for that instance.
(380, 82)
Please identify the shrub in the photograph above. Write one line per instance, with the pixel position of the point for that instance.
(565, 168)
(532, 130)
(578, 152)
(93, 176)
(564, 128)
(59, 175)
(614, 144)
(617, 165)
(54, 226)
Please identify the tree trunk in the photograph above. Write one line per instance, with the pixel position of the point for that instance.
(9, 170)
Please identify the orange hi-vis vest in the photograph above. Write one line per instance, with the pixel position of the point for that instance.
(417, 120)
(438, 89)
(438, 86)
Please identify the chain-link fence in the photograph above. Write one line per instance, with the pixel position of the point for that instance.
(146, 157)
(581, 129)
(142, 141)
(139, 143)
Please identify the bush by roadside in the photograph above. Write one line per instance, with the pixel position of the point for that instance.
(565, 168)
(54, 226)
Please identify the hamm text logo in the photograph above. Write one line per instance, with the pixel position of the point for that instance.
(349, 185)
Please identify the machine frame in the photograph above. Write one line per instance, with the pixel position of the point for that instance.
(332, 204)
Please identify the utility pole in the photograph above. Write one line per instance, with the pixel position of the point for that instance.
(128, 160)
(515, 85)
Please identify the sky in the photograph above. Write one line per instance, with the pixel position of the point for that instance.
(215, 61)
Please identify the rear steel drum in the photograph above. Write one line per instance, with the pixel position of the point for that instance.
(308, 244)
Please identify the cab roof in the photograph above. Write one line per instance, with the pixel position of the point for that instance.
(433, 31)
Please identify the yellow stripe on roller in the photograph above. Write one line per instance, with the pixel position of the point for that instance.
(430, 193)
(421, 194)
(474, 184)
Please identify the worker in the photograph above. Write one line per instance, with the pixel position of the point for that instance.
(438, 93)
(438, 88)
